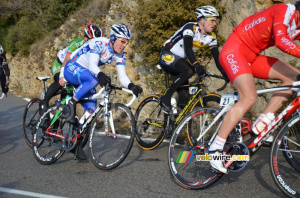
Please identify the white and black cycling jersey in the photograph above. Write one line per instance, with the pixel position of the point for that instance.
(199, 40)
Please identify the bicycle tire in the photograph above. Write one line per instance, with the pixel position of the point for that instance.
(187, 171)
(107, 152)
(30, 118)
(148, 135)
(285, 165)
(52, 147)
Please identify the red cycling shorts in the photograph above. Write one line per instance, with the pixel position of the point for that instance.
(237, 59)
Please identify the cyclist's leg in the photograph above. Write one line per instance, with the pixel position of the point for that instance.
(236, 65)
(53, 88)
(89, 108)
(183, 94)
(181, 68)
(85, 82)
(2, 79)
(271, 68)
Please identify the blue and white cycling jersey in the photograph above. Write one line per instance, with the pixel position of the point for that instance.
(83, 68)
(97, 52)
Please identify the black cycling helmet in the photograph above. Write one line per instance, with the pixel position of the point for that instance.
(91, 30)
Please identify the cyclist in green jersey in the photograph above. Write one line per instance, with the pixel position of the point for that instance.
(63, 56)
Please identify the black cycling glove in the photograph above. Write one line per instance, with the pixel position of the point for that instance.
(200, 70)
(103, 79)
(135, 89)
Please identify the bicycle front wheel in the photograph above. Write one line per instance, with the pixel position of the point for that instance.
(285, 157)
(108, 149)
(185, 163)
(30, 119)
(149, 123)
(52, 147)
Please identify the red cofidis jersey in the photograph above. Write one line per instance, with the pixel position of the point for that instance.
(274, 26)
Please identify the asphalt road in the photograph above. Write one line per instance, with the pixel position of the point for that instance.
(142, 174)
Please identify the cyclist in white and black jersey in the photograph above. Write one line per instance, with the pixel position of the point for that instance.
(178, 54)
(83, 69)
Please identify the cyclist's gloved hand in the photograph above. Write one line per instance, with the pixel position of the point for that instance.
(135, 89)
(103, 79)
(200, 70)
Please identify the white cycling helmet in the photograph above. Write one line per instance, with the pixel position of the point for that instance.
(1, 49)
(206, 11)
(119, 31)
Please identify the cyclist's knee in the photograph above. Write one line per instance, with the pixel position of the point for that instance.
(249, 99)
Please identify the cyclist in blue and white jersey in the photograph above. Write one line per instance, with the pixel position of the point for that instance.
(63, 56)
(83, 69)
(178, 54)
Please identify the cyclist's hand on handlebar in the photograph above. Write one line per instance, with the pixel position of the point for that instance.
(103, 79)
(135, 89)
(62, 81)
(199, 69)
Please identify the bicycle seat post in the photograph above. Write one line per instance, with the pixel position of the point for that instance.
(45, 85)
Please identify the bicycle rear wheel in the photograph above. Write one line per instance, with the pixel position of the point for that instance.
(285, 157)
(106, 150)
(149, 123)
(188, 171)
(30, 119)
(52, 147)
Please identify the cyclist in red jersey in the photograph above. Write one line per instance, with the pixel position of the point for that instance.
(241, 59)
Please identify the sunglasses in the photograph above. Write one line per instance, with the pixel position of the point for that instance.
(124, 42)
(211, 19)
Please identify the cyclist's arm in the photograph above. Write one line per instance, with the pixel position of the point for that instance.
(6, 69)
(94, 58)
(188, 46)
(215, 53)
(67, 58)
(6, 72)
(62, 80)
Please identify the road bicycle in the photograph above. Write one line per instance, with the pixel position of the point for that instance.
(110, 135)
(153, 124)
(199, 128)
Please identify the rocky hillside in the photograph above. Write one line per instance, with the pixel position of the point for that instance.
(103, 12)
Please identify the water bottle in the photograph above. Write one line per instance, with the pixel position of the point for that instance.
(174, 105)
(262, 122)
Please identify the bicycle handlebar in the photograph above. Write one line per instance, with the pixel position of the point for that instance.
(200, 78)
(100, 94)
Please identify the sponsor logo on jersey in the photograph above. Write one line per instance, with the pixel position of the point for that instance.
(288, 43)
(75, 71)
(279, 32)
(104, 55)
(168, 58)
(254, 23)
(232, 63)
(198, 45)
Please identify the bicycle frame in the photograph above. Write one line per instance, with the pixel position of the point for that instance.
(256, 142)
(103, 104)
